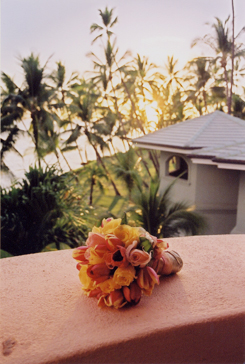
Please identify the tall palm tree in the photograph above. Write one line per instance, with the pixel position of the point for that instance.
(12, 111)
(95, 120)
(126, 169)
(224, 47)
(61, 102)
(172, 78)
(106, 69)
(94, 175)
(199, 75)
(35, 97)
(107, 23)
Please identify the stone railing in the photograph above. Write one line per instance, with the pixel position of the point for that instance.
(195, 316)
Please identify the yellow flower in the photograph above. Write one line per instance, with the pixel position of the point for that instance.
(124, 276)
(96, 255)
(108, 226)
(127, 234)
(108, 286)
(87, 283)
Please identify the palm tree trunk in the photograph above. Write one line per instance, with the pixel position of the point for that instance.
(91, 191)
(232, 59)
(100, 160)
(57, 157)
(35, 133)
(139, 153)
(118, 113)
(226, 84)
(155, 163)
(66, 161)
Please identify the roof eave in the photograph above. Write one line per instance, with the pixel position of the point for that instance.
(222, 163)
(165, 147)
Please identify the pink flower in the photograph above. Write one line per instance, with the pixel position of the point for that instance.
(132, 293)
(147, 278)
(137, 257)
(98, 272)
(95, 239)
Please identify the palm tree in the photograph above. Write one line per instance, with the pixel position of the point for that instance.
(126, 169)
(172, 80)
(162, 218)
(61, 102)
(225, 49)
(168, 93)
(105, 69)
(95, 120)
(94, 174)
(33, 99)
(12, 111)
(199, 75)
(107, 23)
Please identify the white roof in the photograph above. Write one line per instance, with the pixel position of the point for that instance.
(209, 130)
(216, 136)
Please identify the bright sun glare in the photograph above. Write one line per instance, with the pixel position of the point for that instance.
(151, 113)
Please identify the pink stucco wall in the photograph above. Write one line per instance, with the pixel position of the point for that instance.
(196, 316)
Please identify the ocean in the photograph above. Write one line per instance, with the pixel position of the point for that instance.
(18, 165)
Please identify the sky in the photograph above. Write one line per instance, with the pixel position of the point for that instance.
(151, 28)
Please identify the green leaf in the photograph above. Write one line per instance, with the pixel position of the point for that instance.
(145, 244)
(4, 254)
(114, 202)
(124, 219)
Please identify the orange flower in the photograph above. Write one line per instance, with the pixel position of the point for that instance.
(116, 258)
(79, 252)
(132, 293)
(115, 299)
(160, 247)
(147, 278)
(112, 242)
(95, 293)
(80, 255)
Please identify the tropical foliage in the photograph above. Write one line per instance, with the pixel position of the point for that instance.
(122, 96)
(44, 208)
(155, 211)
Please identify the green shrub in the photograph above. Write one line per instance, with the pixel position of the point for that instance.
(45, 208)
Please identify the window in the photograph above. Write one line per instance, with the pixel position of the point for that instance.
(177, 166)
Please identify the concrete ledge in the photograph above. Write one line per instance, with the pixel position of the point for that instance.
(196, 316)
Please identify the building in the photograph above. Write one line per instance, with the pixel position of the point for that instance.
(207, 153)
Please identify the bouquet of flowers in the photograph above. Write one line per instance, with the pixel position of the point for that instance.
(119, 263)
